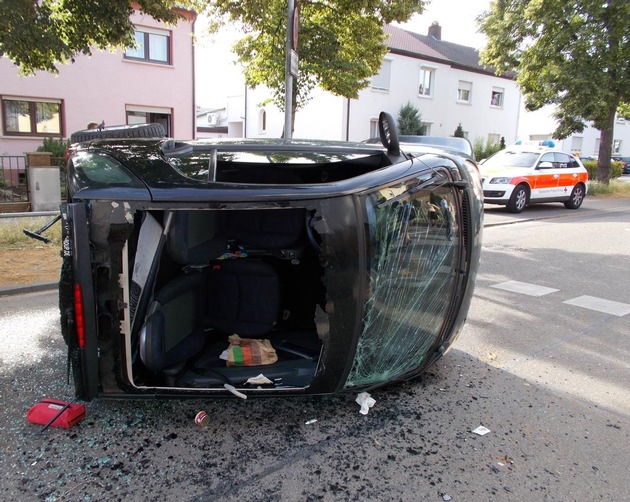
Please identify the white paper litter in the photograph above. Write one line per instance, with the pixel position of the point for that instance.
(234, 391)
(481, 430)
(259, 380)
(365, 401)
(224, 355)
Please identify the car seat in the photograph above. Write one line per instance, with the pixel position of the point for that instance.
(231, 296)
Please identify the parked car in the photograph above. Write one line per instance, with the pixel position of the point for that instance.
(625, 163)
(263, 267)
(522, 175)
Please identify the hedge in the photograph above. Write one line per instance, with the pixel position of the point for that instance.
(616, 169)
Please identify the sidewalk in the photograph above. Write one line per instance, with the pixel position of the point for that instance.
(31, 288)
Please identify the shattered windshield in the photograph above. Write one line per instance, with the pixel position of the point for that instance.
(412, 258)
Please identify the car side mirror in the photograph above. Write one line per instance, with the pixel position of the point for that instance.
(388, 134)
(545, 165)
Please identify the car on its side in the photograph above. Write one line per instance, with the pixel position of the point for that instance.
(340, 266)
(522, 175)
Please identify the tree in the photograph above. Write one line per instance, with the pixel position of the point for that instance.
(459, 131)
(40, 34)
(574, 55)
(341, 42)
(409, 122)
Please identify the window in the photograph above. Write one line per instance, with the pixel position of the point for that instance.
(151, 115)
(262, 121)
(494, 139)
(562, 161)
(426, 128)
(596, 149)
(497, 96)
(464, 91)
(576, 143)
(151, 45)
(373, 128)
(25, 117)
(381, 80)
(427, 79)
(616, 146)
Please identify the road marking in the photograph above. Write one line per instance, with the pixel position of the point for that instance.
(601, 305)
(524, 288)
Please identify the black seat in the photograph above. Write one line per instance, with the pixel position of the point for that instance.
(271, 229)
(195, 238)
(239, 296)
(219, 294)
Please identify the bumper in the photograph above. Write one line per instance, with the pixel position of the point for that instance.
(497, 194)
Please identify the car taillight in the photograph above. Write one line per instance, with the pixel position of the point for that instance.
(79, 319)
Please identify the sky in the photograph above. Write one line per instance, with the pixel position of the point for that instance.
(457, 19)
(218, 76)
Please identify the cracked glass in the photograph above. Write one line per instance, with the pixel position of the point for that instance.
(412, 242)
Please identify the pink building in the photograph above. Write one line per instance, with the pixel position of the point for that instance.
(152, 82)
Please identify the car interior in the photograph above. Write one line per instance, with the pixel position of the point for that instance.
(254, 273)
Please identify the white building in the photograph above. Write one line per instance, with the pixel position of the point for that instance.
(540, 125)
(444, 81)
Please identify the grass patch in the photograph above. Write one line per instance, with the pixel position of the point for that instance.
(11, 235)
(615, 189)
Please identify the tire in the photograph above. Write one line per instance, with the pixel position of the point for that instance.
(519, 199)
(576, 198)
(123, 131)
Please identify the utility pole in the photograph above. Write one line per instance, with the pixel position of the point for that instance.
(290, 70)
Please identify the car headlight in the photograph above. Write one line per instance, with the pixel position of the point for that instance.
(500, 181)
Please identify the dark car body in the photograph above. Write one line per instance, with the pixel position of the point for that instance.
(625, 163)
(332, 252)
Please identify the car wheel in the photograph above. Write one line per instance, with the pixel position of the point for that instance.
(577, 197)
(124, 131)
(518, 200)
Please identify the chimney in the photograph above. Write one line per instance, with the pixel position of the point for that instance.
(435, 30)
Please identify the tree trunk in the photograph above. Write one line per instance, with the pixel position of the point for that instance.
(605, 147)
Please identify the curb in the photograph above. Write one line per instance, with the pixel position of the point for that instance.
(32, 288)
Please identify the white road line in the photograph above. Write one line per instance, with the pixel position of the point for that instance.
(524, 288)
(601, 305)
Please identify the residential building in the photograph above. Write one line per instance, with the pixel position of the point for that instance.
(151, 82)
(444, 81)
(540, 125)
(212, 122)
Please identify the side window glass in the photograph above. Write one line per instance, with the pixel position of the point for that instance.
(562, 161)
(412, 256)
(548, 157)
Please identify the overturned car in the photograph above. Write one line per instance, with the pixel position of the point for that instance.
(263, 267)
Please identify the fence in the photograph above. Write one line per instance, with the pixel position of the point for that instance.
(13, 183)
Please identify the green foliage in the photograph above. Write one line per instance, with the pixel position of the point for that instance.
(11, 235)
(574, 55)
(482, 151)
(613, 189)
(459, 131)
(409, 120)
(616, 169)
(40, 35)
(341, 42)
(57, 147)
